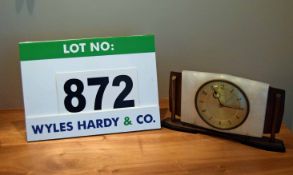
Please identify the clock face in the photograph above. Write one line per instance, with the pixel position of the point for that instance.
(222, 104)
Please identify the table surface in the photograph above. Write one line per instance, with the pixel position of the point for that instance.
(161, 151)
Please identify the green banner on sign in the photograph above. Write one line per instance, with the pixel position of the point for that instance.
(86, 47)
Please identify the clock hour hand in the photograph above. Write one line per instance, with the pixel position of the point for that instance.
(217, 95)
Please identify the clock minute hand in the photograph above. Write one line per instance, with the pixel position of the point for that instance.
(226, 106)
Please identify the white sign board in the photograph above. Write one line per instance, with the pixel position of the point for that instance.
(92, 86)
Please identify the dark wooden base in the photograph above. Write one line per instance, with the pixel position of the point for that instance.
(264, 143)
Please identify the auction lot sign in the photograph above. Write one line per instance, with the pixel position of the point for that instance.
(90, 86)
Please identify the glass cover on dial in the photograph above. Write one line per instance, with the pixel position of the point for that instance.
(222, 104)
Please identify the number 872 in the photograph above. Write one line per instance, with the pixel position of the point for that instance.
(103, 82)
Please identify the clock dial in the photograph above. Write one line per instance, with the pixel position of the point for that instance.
(222, 104)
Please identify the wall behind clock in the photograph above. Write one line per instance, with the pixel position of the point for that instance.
(252, 39)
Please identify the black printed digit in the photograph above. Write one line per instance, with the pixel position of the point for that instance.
(74, 94)
(103, 82)
(120, 101)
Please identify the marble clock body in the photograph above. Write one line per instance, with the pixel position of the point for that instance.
(224, 103)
